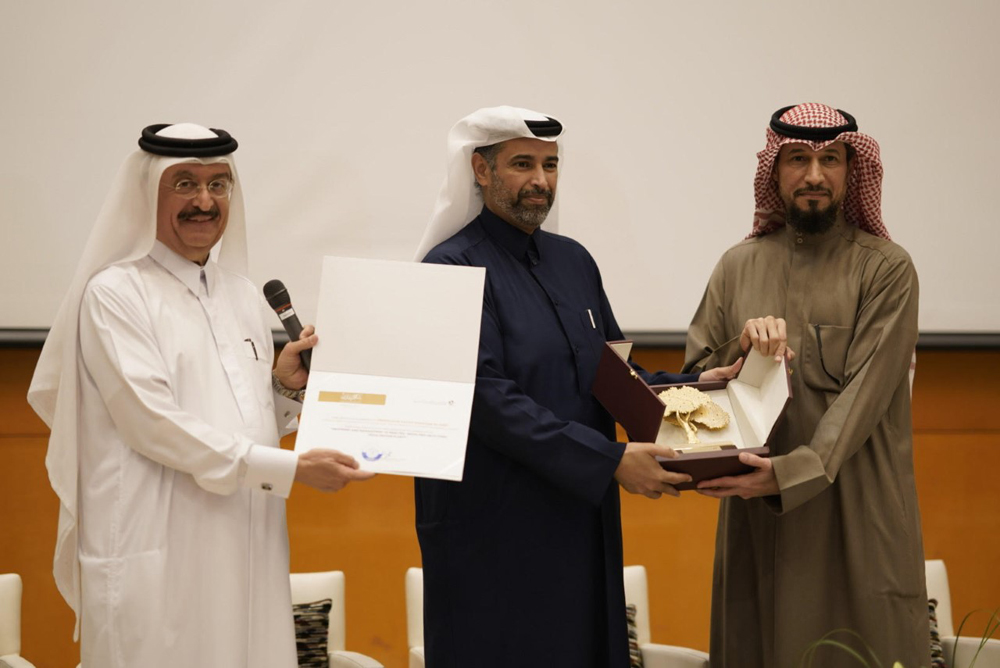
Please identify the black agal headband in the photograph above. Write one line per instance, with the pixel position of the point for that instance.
(809, 133)
(547, 128)
(172, 147)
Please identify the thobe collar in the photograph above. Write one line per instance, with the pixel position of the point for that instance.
(523, 246)
(187, 272)
(837, 230)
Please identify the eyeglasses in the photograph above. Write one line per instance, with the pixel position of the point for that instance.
(189, 188)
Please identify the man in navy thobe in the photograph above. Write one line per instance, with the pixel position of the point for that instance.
(522, 560)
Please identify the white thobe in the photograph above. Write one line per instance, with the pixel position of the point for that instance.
(183, 542)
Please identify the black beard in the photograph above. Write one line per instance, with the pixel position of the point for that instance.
(813, 220)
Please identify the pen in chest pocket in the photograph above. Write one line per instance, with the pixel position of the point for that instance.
(592, 323)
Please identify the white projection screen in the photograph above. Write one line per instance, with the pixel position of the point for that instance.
(342, 109)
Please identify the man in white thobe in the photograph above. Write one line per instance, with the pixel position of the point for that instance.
(156, 380)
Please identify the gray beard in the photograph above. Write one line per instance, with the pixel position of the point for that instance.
(511, 207)
(812, 220)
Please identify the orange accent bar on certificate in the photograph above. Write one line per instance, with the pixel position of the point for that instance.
(353, 398)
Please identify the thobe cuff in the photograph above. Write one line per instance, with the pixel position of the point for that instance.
(271, 470)
(800, 475)
(724, 355)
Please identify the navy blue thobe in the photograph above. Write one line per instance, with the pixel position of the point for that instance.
(523, 559)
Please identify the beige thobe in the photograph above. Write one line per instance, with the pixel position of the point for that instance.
(840, 546)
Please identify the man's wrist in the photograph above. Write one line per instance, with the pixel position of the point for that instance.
(297, 395)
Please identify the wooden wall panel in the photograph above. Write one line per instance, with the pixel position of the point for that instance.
(29, 512)
(957, 391)
(16, 416)
(960, 512)
(367, 530)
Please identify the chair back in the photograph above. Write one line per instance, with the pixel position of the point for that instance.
(937, 587)
(312, 587)
(415, 607)
(636, 593)
(10, 614)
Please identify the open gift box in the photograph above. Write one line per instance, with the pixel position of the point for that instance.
(755, 401)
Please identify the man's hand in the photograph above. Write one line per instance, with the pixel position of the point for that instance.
(289, 369)
(639, 472)
(759, 483)
(721, 372)
(768, 336)
(328, 470)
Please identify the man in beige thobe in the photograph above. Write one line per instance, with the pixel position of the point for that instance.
(824, 534)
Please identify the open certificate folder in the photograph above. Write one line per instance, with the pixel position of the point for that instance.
(394, 372)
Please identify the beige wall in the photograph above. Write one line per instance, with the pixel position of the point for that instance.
(367, 530)
(342, 110)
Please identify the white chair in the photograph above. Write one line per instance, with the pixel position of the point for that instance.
(10, 622)
(654, 655)
(312, 587)
(958, 651)
(415, 616)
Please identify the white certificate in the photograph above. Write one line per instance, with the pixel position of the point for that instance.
(392, 378)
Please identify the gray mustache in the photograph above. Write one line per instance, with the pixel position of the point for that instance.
(184, 215)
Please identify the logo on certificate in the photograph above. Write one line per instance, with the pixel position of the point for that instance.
(372, 454)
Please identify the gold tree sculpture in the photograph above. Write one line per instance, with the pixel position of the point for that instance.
(687, 407)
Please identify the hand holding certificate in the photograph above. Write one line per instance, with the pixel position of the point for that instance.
(393, 375)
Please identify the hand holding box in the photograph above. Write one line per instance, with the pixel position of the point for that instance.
(756, 401)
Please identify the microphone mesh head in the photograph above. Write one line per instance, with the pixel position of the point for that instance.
(276, 294)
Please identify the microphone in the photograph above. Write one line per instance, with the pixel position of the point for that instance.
(277, 297)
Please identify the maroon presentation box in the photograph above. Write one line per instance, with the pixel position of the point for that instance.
(756, 401)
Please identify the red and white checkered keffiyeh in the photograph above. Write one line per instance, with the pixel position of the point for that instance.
(863, 202)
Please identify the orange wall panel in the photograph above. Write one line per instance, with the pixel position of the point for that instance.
(16, 367)
(367, 529)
